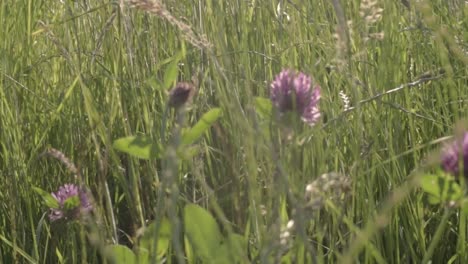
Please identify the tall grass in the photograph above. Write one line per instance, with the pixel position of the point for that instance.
(77, 75)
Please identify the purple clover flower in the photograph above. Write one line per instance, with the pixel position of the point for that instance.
(290, 91)
(452, 154)
(69, 191)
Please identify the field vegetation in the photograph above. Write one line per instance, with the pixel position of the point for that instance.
(145, 131)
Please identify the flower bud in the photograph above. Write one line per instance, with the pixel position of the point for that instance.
(181, 94)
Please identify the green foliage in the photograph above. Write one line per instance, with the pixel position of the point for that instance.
(152, 246)
(441, 188)
(170, 74)
(142, 147)
(79, 75)
(263, 107)
(202, 231)
(154, 237)
(48, 199)
(232, 250)
(206, 239)
(121, 254)
(206, 121)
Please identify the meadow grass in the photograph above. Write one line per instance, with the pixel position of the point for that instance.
(77, 75)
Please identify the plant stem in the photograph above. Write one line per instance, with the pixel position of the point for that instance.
(437, 236)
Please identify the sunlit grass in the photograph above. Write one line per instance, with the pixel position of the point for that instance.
(78, 75)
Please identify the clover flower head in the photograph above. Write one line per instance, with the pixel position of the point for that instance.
(453, 153)
(291, 91)
(65, 193)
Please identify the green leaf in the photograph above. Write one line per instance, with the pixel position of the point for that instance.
(232, 250)
(71, 202)
(120, 254)
(154, 83)
(150, 239)
(203, 232)
(188, 152)
(59, 256)
(441, 188)
(237, 243)
(48, 199)
(263, 107)
(170, 74)
(189, 254)
(141, 147)
(205, 122)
